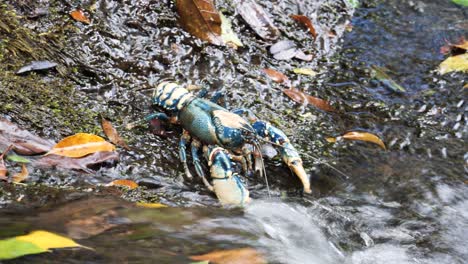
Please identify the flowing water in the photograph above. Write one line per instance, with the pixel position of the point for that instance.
(408, 204)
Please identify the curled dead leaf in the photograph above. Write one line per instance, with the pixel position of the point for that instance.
(303, 98)
(21, 176)
(258, 19)
(364, 136)
(305, 21)
(112, 134)
(79, 15)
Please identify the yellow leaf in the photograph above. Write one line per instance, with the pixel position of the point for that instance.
(232, 256)
(80, 144)
(126, 183)
(305, 71)
(82, 150)
(457, 63)
(330, 139)
(21, 176)
(151, 205)
(364, 136)
(47, 240)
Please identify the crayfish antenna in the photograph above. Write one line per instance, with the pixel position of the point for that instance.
(263, 171)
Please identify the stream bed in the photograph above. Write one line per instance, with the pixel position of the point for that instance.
(406, 204)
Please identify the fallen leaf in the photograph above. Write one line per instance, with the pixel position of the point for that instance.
(330, 139)
(303, 98)
(455, 48)
(305, 21)
(78, 15)
(112, 134)
(126, 183)
(201, 19)
(364, 136)
(258, 19)
(79, 145)
(83, 163)
(286, 50)
(461, 2)
(21, 176)
(34, 243)
(3, 169)
(37, 66)
(23, 142)
(151, 205)
(305, 71)
(232, 256)
(227, 34)
(381, 76)
(457, 63)
(17, 158)
(276, 76)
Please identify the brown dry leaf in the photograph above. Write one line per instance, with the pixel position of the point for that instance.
(232, 256)
(78, 15)
(258, 19)
(303, 98)
(3, 169)
(79, 145)
(126, 183)
(305, 21)
(82, 164)
(24, 143)
(365, 136)
(455, 49)
(201, 19)
(21, 176)
(276, 76)
(112, 134)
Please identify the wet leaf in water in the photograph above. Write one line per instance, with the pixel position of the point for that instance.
(276, 76)
(151, 205)
(457, 63)
(34, 243)
(78, 15)
(461, 2)
(23, 141)
(305, 21)
(201, 19)
(227, 34)
(258, 19)
(77, 163)
(330, 139)
(79, 145)
(284, 50)
(37, 66)
(112, 134)
(125, 183)
(232, 256)
(455, 49)
(3, 169)
(21, 176)
(303, 98)
(305, 71)
(381, 76)
(364, 136)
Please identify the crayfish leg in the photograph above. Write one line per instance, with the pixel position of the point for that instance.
(195, 148)
(184, 139)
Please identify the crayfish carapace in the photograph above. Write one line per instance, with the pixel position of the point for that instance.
(224, 136)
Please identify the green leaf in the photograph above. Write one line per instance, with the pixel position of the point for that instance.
(461, 2)
(355, 3)
(227, 34)
(13, 248)
(380, 75)
(17, 158)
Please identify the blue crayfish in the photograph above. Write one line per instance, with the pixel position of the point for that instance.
(223, 136)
